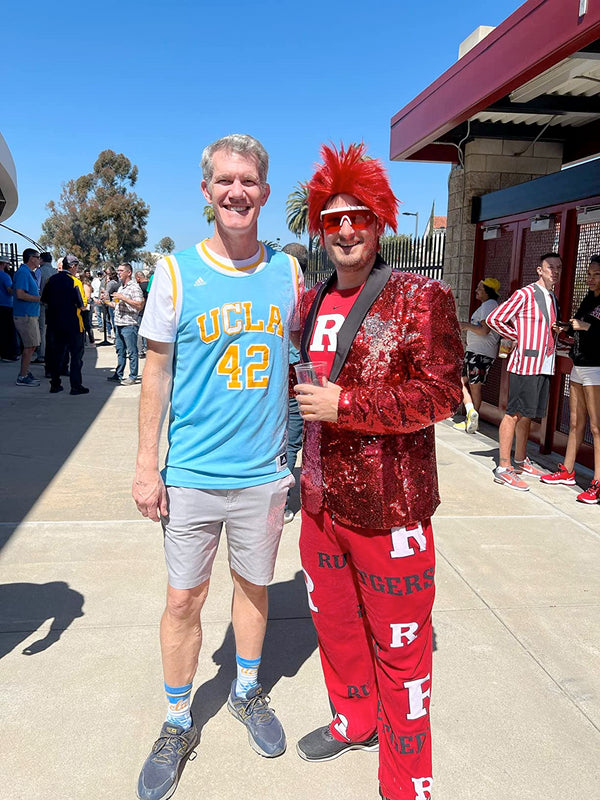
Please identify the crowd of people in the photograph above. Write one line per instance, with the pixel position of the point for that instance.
(48, 313)
(529, 320)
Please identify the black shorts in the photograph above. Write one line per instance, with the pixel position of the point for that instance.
(476, 367)
(528, 395)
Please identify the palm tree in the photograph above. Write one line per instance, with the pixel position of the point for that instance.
(297, 210)
(208, 213)
(276, 245)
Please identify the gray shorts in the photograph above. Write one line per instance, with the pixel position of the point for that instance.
(28, 329)
(253, 519)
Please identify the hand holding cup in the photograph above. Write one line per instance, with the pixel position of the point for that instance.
(312, 372)
(317, 397)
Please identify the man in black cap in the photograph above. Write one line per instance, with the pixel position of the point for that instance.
(64, 299)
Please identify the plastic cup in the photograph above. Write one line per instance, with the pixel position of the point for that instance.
(312, 372)
(505, 349)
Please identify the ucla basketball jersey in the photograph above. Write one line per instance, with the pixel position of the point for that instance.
(228, 417)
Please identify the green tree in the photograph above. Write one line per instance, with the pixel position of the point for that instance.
(397, 237)
(297, 210)
(98, 217)
(166, 245)
(148, 259)
(208, 213)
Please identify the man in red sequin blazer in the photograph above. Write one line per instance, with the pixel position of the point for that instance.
(392, 350)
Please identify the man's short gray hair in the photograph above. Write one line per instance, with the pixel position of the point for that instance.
(241, 143)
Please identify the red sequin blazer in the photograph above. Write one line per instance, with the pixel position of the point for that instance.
(398, 361)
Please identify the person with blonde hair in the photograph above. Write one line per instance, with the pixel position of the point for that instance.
(217, 325)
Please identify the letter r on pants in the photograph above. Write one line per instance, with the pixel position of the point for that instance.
(400, 537)
(403, 630)
(416, 695)
(421, 786)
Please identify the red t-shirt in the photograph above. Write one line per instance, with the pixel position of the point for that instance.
(334, 309)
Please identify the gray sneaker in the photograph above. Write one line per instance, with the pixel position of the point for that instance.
(28, 380)
(321, 745)
(265, 732)
(163, 767)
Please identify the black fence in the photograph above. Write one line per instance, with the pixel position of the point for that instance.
(426, 257)
(11, 253)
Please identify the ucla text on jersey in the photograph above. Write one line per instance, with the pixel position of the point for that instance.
(228, 419)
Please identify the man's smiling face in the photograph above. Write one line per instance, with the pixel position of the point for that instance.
(352, 249)
(236, 192)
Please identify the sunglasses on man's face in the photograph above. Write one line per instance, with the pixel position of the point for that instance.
(358, 217)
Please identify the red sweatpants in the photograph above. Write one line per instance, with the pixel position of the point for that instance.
(371, 593)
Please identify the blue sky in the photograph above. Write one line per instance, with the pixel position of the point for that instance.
(158, 81)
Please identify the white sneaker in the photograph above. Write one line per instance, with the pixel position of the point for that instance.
(472, 422)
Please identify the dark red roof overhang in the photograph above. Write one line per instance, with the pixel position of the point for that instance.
(539, 34)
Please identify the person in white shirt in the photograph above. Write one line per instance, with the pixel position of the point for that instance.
(97, 306)
(480, 352)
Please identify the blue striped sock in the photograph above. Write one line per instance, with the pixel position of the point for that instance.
(247, 675)
(179, 701)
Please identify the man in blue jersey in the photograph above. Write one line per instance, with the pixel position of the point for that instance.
(217, 324)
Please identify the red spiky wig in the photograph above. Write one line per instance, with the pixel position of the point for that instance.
(350, 171)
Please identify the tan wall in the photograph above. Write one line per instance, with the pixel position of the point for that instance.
(490, 164)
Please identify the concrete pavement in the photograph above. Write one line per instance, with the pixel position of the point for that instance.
(516, 695)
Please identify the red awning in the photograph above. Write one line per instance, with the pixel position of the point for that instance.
(538, 36)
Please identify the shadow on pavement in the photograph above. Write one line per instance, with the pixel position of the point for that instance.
(290, 641)
(24, 607)
(40, 431)
(493, 455)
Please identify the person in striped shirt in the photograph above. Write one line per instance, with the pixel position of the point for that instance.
(528, 318)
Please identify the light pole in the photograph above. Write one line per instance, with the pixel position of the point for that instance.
(414, 214)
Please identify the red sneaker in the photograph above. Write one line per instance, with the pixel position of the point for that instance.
(591, 494)
(562, 475)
